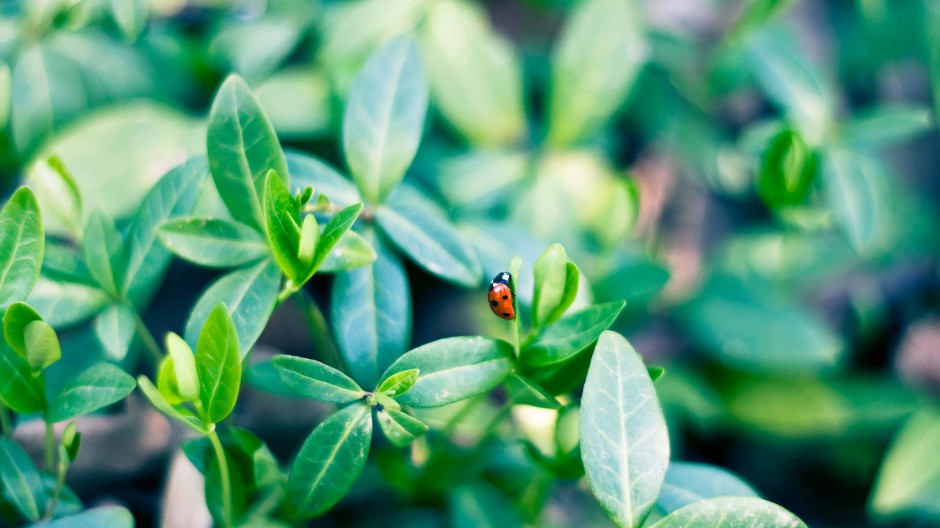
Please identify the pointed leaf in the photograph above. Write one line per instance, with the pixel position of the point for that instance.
(219, 365)
(64, 304)
(527, 392)
(909, 479)
(687, 483)
(104, 253)
(453, 369)
(22, 482)
(334, 232)
(21, 246)
(184, 366)
(384, 118)
(352, 252)
(212, 242)
(242, 148)
(315, 380)
(550, 271)
(563, 340)
(400, 428)
(282, 224)
(330, 460)
(115, 329)
(173, 411)
(97, 387)
(400, 383)
(731, 512)
(19, 389)
(624, 441)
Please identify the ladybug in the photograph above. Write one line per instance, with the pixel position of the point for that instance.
(501, 296)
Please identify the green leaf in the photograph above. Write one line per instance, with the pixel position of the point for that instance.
(688, 482)
(19, 389)
(624, 441)
(371, 314)
(384, 118)
(64, 263)
(316, 380)
(15, 319)
(42, 345)
(400, 383)
(249, 294)
(174, 195)
(909, 479)
(527, 392)
(115, 329)
(885, 125)
(242, 148)
(212, 242)
(100, 517)
(453, 369)
(174, 411)
(167, 383)
(475, 76)
(184, 366)
(21, 246)
(353, 251)
(22, 482)
(64, 304)
(731, 512)
(852, 184)
(104, 253)
(655, 372)
(585, 93)
(747, 327)
(59, 198)
(309, 237)
(219, 365)
(400, 428)
(423, 232)
(282, 224)
(97, 387)
(6, 87)
(131, 16)
(788, 169)
(550, 272)
(480, 505)
(329, 461)
(333, 234)
(307, 170)
(564, 339)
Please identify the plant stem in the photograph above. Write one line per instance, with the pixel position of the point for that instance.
(224, 477)
(515, 334)
(5, 421)
(59, 484)
(289, 289)
(150, 343)
(50, 447)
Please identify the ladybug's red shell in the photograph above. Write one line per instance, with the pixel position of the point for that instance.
(500, 296)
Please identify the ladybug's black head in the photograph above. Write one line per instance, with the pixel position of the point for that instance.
(502, 278)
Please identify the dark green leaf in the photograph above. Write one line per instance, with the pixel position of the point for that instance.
(315, 380)
(563, 340)
(242, 148)
(400, 383)
(585, 93)
(384, 118)
(22, 482)
(21, 246)
(330, 460)
(788, 169)
(624, 441)
(249, 294)
(97, 387)
(731, 512)
(453, 369)
(655, 372)
(212, 242)
(687, 483)
(219, 365)
(371, 314)
(104, 253)
(400, 428)
(423, 232)
(174, 195)
(101, 517)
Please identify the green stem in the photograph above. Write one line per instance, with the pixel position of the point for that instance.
(50, 447)
(5, 421)
(224, 477)
(59, 484)
(515, 335)
(289, 289)
(150, 343)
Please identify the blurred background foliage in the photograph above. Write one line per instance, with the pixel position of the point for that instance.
(756, 178)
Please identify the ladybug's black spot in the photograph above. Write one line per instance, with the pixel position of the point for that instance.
(493, 303)
(505, 314)
(505, 297)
